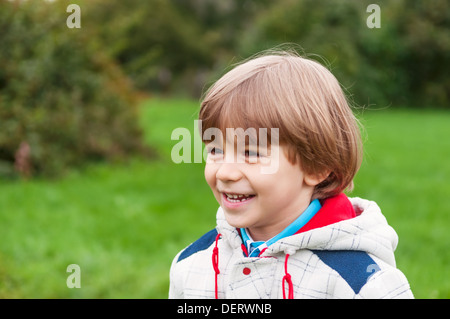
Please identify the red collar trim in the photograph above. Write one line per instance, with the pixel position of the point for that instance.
(334, 209)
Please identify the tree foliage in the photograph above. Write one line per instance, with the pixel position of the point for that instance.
(404, 62)
(62, 100)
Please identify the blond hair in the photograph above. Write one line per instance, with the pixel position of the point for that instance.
(304, 101)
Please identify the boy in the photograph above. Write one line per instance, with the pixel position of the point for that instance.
(290, 233)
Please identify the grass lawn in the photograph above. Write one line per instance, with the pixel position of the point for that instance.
(124, 223)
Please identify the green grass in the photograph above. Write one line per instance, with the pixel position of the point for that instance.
(124, 223)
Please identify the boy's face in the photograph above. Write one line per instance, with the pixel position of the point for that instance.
(263, 203)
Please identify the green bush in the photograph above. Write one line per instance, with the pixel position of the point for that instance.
(62, 101)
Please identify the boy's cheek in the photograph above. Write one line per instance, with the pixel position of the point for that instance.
(210, 176)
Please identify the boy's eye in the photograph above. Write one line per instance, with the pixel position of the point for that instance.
(249, 153)
(214, 151)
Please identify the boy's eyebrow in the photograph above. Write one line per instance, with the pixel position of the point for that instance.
(247, 145)
(235, 135)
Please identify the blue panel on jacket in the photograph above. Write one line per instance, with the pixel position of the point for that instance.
(354, 266)
(200, 244)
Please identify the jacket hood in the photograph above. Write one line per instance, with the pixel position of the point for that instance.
(368, 232)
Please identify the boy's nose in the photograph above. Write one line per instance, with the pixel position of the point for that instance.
(228, 172)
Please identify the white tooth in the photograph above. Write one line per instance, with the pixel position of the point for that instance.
(235, 196)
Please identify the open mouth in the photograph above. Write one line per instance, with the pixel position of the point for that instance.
(237, 198)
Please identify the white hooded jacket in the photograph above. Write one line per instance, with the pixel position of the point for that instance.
(353, 258)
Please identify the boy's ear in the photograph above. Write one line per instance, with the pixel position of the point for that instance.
(314, 179)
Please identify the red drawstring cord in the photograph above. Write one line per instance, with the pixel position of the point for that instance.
(215, 262)
(287, 277)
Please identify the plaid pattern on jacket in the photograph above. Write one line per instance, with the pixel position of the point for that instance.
(353, 258)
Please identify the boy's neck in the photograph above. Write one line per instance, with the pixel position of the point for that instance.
(267, 232)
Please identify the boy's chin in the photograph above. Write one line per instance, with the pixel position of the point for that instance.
(235, 219)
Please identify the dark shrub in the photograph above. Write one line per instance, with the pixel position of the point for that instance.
(62, 101)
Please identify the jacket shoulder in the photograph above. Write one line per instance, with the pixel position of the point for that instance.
(389, 283)
(200, 244)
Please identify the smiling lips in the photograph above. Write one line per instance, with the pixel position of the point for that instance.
(234, 200)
